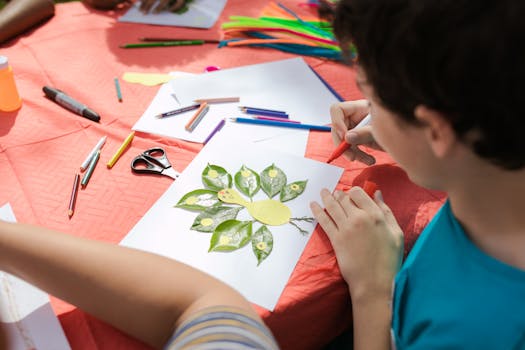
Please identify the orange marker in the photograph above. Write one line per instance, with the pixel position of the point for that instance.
(343, 146)
(195, 119)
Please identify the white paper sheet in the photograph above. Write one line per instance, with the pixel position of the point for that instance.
(165, 230)
(200, 14)
(288, 85)
(26, 315)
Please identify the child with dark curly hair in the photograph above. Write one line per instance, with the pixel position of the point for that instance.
(443, 81)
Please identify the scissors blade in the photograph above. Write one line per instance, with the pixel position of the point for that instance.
(171, 173)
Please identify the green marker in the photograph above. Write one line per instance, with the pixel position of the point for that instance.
(163, 43)
(117, 87)
(90, 169)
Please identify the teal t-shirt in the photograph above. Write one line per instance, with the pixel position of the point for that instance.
(451, 295)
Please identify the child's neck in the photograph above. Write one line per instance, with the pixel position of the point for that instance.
(492, 211)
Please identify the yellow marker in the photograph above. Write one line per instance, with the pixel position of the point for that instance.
(121, 149)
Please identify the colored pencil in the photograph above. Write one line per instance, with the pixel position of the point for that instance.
(215, 130)
(121, 149)
(197, 117)
(162, 43)
(268, 113)
(90, 169)
(178, 111)
(117, 88)
(261, 109)
(179, 39)
(282, 124)
(98, 146)
(343, 146)
(73, 199)
(217, 100)
(278, 119)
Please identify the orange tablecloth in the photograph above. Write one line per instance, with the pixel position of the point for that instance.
(42, 145)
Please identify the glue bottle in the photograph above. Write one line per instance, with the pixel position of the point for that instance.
(9, 98)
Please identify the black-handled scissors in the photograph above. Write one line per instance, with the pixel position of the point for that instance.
(153, 161)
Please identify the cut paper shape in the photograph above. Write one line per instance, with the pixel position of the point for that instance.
(148, 79)
(230, 234)
(200, 14)
(268, 211)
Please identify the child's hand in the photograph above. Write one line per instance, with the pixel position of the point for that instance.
(366, 238)
(163, 5)
(345, 116)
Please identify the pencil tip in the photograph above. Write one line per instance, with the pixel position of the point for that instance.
(70, 213)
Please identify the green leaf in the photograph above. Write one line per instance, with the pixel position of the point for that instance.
(273, 180)
(216, 177)
(262, 244)
(292, 190)
(247, 181)
(198, 200)
(209, 219)
(231, 235)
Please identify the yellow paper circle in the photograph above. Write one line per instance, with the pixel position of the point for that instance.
(192, 200)
(207, 222)
(224, 240)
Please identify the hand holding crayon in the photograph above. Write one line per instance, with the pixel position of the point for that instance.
(343, 146)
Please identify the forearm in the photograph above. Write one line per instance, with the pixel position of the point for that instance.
(20, 15)
(372, 316)
(140, 293)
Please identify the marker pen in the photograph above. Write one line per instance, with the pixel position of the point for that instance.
(70, 104)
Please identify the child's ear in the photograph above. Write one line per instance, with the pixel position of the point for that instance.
(438, 130)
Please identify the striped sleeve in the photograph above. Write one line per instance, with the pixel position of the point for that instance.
(222, 327)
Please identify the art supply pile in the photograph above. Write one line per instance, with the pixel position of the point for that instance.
(281, 28)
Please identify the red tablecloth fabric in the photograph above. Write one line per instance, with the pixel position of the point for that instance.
(42, 145)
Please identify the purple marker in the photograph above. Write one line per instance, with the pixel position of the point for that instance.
(215, 130)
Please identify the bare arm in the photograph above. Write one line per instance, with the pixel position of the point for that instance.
(20, 15)
(143, 294)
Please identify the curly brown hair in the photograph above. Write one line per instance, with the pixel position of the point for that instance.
(464, 58)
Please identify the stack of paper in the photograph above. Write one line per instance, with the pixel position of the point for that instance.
(200, 14)
(286, 85)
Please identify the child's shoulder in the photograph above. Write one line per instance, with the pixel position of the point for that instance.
(449, 290)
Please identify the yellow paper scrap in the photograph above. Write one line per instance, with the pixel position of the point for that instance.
(148, 79)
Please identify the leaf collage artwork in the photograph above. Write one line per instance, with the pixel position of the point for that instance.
(220, 203)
